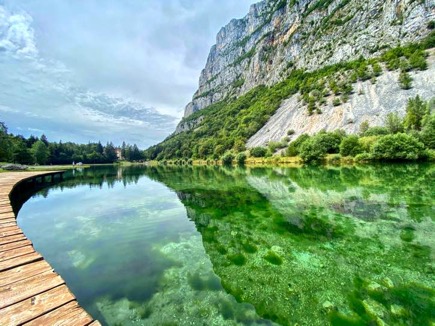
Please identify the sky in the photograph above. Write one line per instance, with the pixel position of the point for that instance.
(104, 70)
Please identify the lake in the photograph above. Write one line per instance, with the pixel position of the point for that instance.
(236, 246)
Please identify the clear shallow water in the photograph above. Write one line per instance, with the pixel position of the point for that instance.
(218, 246)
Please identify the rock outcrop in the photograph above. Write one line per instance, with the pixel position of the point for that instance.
(277, 36)
(369, 102)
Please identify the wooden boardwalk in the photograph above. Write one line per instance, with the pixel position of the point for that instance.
(31, 292)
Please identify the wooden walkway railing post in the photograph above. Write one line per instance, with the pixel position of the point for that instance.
(31, 292)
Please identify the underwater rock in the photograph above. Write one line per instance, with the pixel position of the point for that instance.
(328, 306)
(277, 249)
(397, 310)
(375, 287)
(388, 282)
(374, 308)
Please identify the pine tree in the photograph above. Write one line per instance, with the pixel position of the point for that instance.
(405, 80)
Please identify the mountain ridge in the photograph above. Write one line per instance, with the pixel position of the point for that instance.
(277, 36)
(238, 115)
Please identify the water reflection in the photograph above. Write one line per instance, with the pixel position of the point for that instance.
(211, 245)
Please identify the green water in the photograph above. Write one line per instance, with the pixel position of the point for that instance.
(221, 246)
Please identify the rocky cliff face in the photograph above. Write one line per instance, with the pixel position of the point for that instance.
(277, 36)
(369, 102)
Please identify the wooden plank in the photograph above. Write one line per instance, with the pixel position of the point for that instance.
(80, 319)
(64, 315)
(18, 291)
(5, 255)
(95, 323)
(12, 238)
(7, 215)
(13, 245)
(18, 261)
(36, 306)
(8, 223)
(10, 230)
(24, 271)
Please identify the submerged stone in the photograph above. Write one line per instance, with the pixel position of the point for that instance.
(374, 308)
(388, 282)
(397, 310)
(375, 287)
(328, 306)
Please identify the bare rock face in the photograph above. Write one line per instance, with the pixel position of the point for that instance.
(370, 102)
(277, 36)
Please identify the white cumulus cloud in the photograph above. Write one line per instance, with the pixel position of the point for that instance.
(16, 33)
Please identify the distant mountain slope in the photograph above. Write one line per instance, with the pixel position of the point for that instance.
(305, 66)
(277, 36)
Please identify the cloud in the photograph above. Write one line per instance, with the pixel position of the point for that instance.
(104, 70)
(40, 96)
(16, 34)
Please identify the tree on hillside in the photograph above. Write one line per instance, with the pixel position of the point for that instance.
(393, 123)
(405, 80)
(364, 126)
(416, 109)
(428, 132)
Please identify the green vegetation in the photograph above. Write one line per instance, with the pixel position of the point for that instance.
(258, 152)
(294, 148)
(377, 143)
(244, 56)
(241, 158)
(273, 258)
(350, 146)
(227, 125)
(417, 112)
(238, 83)
(227, 159)
(314, 149)
(405, 81)
(34, 150)
(397, 147)
(277, 236)
(394, 123)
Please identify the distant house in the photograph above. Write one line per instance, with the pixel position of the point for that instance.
(118, 153)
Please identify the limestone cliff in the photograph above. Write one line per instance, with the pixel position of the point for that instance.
(277, 36)
(369, 102)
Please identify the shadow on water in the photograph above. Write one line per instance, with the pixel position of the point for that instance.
(311, 245)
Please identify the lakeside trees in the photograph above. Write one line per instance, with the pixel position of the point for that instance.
(34, 150)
